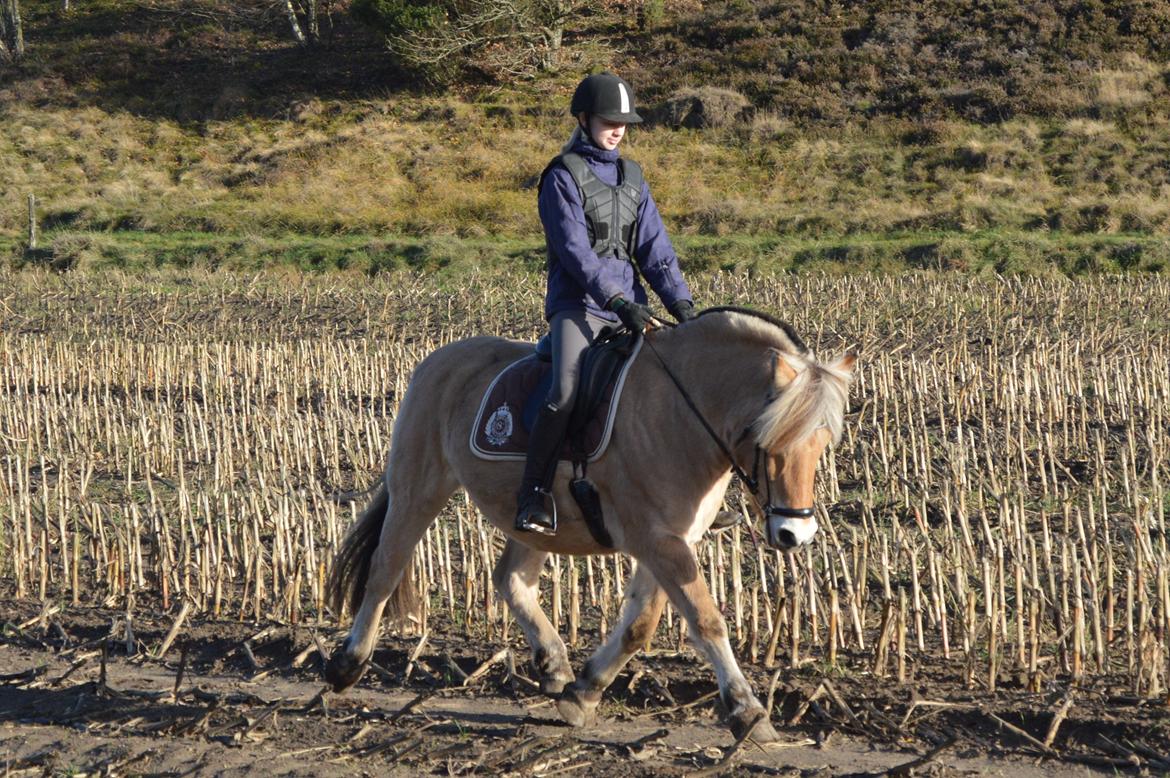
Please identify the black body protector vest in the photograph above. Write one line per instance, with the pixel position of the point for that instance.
(611, 212)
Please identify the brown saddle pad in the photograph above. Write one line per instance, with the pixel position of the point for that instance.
(500, 431)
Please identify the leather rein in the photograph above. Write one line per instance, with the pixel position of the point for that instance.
(751, 481)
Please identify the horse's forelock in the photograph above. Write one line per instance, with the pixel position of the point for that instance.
(815, 398)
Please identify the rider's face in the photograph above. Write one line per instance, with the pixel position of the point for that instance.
(605, 133)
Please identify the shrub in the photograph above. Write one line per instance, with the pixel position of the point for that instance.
(73, 252)
(953, 254)
(442, 39)
(769, 127)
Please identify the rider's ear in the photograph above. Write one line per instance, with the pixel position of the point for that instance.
(782, 371)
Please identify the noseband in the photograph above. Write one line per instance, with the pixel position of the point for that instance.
(770, 510)
(752, 481)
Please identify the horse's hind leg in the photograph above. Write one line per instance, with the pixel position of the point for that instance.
(415, 493)
(674, 565)
(641, 611)
(517, 579)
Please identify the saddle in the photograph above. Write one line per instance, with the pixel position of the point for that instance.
(512, 401)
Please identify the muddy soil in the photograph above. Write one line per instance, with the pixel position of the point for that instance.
(81, 695)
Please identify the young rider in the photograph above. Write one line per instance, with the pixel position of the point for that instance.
(599, 221)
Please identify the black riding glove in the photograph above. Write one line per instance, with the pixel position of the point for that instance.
(683, 310)
(634, 315)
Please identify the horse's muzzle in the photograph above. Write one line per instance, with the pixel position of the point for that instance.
(789, 529)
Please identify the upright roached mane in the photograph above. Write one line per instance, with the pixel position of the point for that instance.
(814, 399)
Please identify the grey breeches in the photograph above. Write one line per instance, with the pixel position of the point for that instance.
(572, 332)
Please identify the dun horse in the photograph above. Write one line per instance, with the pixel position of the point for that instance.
(762, 404)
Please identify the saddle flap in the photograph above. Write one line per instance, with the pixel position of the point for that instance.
(600, 366)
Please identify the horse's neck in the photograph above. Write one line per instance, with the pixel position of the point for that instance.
(725, 378)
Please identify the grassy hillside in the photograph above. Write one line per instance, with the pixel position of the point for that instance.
(937, 134)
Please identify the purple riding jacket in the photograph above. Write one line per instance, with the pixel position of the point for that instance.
(578, 279)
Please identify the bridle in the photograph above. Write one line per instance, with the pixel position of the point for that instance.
(770, 510)
(752, 481)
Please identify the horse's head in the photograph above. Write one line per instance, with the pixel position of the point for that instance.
(804, 410)
(804, 413)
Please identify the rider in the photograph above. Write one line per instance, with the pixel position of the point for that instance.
(599, 221)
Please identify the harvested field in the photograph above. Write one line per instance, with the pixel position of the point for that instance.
(186, 450)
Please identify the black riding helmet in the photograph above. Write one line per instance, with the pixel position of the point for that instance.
(607, 96)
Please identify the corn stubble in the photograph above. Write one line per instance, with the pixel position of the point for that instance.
(996, 509)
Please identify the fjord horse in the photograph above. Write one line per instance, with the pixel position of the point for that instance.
(730, 390)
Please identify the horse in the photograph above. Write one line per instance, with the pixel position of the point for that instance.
(728, 390)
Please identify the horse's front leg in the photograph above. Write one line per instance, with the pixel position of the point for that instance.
(641, 611)
(677, 570)
(517, 579)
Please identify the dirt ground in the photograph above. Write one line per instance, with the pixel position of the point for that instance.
(79, 696)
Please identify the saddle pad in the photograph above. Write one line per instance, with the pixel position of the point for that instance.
(500, 431)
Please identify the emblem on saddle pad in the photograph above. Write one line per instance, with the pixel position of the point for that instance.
(499, 426)
(513, 398)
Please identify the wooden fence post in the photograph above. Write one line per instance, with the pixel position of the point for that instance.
(32, 221)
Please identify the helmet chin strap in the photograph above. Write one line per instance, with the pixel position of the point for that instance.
(588, 135)
(585, 133)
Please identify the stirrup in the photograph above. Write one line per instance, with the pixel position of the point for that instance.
(527, 516)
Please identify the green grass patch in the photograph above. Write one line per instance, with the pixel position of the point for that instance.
(994, 251)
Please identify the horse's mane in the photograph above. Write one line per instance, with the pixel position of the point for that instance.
(814, 399)
(796, 345)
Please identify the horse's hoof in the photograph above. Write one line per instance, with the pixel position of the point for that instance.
(343, 671)
(553, 670)
(576, 709)
(553, 685)
(753, 723)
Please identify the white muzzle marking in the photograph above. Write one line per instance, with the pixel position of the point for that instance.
(786, 533)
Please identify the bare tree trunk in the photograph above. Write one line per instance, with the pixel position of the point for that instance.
(292, 21)
(304, 19)
(18, 30)
(555, 13)
(552, 47)
(11, 32)
(327, 6)
(314, 27)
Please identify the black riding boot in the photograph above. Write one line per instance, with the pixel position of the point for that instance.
(535, 509)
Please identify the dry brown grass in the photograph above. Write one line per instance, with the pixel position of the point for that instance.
(447, 167)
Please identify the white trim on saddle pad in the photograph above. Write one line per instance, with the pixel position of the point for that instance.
(507, 416)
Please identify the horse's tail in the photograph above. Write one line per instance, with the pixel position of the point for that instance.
(351, 566)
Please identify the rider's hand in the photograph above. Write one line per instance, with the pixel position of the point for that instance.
(683, 310)
(634, 315)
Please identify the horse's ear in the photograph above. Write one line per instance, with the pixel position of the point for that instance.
(847, 362)
(782, 370)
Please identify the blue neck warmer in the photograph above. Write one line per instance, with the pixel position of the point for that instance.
(587, 149)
